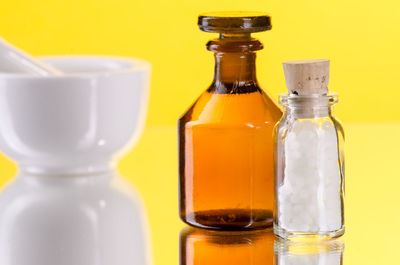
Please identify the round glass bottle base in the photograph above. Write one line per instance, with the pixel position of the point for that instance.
(230, 219)
(294, 235)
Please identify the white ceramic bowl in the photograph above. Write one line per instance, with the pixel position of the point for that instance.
(75, 123)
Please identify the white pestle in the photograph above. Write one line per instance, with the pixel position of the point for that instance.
(14, 60)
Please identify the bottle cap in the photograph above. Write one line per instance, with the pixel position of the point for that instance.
(307, 77)
(234, 22)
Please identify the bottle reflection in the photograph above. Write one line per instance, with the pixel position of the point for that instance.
(309, 253)
(200, 247)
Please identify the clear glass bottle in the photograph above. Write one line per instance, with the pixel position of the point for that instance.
(309, 166)
(225, 138)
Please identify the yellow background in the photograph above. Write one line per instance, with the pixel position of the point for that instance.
(361, 38)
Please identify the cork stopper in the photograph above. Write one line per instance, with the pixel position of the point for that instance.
(307, 77)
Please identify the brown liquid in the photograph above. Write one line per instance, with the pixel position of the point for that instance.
(200, 247)
(225, 149)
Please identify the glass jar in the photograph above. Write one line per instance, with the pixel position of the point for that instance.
(309, 168)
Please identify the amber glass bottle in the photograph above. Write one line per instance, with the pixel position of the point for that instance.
(204, 247)
(225, 138)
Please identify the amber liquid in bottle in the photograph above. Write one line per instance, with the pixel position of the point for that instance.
(225, 144)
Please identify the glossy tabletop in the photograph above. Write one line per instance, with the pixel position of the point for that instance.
(372, 206)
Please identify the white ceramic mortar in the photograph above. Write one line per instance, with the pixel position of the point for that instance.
(67, 206)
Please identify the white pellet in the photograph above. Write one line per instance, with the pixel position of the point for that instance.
(309, 197)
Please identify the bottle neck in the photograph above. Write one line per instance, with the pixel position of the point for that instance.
(235, 63)
(235, 68)
(308, 107)
(308, 112)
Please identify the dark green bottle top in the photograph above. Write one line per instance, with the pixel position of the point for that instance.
(234, 22)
